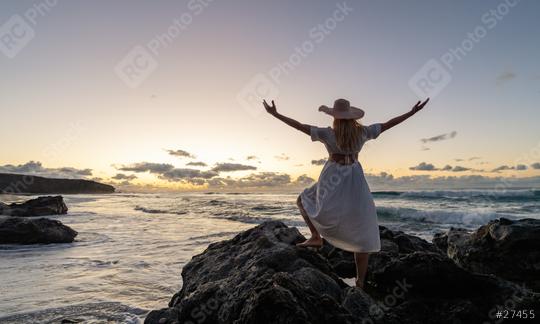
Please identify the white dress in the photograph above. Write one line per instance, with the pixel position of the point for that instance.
(340, 204)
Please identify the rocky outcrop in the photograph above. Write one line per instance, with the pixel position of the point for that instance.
(505, 248)
(21, 230)
(19, 183)
(392, 243)
(260, 276)
(40, 206)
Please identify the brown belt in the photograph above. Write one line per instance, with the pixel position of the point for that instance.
(345, 159)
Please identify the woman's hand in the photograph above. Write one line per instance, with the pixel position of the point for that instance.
(270, 109)
(419, 105)
(289, 121)
(399, 119)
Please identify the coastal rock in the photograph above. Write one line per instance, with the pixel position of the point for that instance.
(19, 230)
(392, 244)
(505, 248)
(40, 206)
(22, 183)
(260, 276)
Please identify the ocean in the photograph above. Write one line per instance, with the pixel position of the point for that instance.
(131, 248)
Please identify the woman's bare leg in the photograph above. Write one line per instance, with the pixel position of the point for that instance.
(315, 239)
(361, 260)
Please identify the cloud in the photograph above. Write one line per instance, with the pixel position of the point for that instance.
(197, 163)
(439, 138)
(121, 176)
(536, 165)
(474, 158)
(228, 167)
(519, 167)
(251, 157)
(254, 180)
(180, 153)
(318, 162)
(384, 181)
(147, 167)
(37, 169)
(281, 157)
(304, 180)
(505, 77)
(194, 176)
(423, 166)
(265, 179)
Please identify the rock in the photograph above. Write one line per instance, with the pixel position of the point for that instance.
(260, 276)
(19, 183)
(508, 249)
(70, 321)
(392, 242)
(19, 230)
(456, 234)
(41, 206)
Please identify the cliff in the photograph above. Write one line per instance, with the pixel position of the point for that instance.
(18, 184)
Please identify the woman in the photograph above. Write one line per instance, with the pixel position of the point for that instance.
(339, 206)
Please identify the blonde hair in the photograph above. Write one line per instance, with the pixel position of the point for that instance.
(348, 132)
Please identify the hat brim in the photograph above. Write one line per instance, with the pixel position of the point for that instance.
(351, 113)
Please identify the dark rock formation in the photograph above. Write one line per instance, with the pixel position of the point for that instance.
(18, 183)
(260, 276)
(392, 243)
(20, 230)
(505, 248)
(40, 206)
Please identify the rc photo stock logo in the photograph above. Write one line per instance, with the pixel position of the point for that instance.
(136, 66)
(139, 63)
(253, 93)
(430, 80)
(265, 85)
(435, 74)
(17, 32)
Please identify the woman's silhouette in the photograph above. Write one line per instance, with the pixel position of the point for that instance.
(339, 206)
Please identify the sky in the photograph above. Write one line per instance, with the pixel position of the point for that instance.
(166, 94)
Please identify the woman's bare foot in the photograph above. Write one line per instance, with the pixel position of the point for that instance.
(312, 242)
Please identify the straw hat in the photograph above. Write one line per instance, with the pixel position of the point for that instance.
(343, 110)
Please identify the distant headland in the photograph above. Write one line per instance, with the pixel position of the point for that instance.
(29, 184)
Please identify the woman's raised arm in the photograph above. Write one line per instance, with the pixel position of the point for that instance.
(289, 121)
(398, 120)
